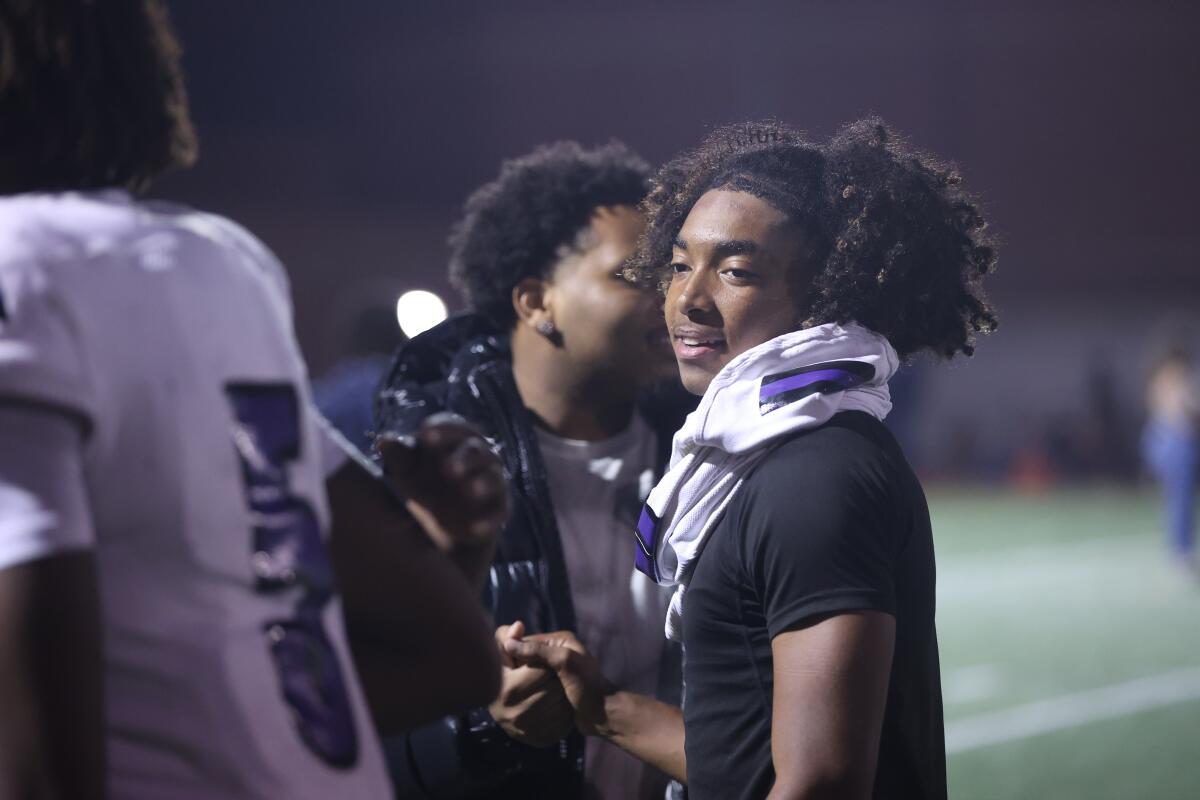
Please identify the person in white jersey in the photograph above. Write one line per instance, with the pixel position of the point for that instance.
(172, 622)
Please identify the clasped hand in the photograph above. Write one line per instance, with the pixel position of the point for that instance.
(549, 684)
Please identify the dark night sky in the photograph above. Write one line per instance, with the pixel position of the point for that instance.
(347, 134)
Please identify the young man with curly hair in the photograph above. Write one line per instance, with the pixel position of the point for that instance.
(795, 534)
(187, 553)
(554, 363)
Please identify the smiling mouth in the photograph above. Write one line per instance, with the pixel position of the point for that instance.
(688, 348)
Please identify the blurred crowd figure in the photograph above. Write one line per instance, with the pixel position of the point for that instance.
(1171, 445)
(344, 394)
(1093, 440)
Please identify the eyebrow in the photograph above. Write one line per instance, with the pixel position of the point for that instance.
(725, 247)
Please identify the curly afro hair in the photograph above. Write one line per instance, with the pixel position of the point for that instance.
(898, 246)
(518, 225)
(91, 95)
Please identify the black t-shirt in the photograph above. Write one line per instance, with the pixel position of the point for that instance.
(833, 519)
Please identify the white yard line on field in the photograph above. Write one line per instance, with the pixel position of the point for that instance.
(1070, 710)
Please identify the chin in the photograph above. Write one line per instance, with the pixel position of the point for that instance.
(694, 381)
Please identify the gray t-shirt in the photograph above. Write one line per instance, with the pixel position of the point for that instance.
(597, 489)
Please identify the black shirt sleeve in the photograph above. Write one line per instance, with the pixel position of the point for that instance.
(820, 534)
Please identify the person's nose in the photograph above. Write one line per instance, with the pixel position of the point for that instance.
(695, 300)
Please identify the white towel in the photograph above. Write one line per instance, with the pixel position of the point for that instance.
(795, 381)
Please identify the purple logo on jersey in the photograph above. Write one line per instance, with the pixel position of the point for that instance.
(288, 557)
(782, 388)
(646, 534)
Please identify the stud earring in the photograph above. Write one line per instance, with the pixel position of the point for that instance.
(546, 328)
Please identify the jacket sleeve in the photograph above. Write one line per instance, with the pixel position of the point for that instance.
(468, 757)
(433, 762)
(401, 406)
(415, 384)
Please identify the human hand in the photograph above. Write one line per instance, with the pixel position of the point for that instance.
(582, 682)
(531, 706)
(452, 482)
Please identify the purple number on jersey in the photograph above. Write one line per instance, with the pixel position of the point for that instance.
(288, 555)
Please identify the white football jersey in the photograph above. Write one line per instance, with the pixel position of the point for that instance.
(168, 334)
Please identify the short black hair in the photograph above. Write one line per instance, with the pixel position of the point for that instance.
(516, 226)
(899, 246)
(91, 95)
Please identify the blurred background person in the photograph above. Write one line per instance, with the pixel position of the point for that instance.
(170, 620)
(345, 392)
(557, 363)
(1171, 446)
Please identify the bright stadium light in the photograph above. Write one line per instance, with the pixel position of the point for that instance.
(419, 310)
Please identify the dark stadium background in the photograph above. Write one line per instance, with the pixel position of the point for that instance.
(347, 135)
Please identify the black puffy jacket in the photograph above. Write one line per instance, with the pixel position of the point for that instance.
(464, 365)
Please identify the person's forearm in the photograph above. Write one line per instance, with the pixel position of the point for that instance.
(475, 563)
(421, 641)
(52, 727)
(426, 650)
(449, 682)
(648, 729)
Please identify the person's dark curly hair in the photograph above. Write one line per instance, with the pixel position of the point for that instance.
(518, 225)
(897, 245)
(91, 95)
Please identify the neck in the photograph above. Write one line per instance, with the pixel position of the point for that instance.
(568, 401)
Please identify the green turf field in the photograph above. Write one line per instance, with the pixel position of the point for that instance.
(1070, 648)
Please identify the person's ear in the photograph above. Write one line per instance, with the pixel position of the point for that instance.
(532, 300)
